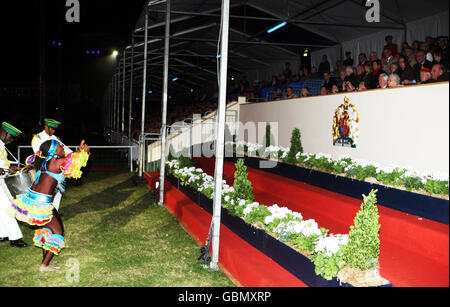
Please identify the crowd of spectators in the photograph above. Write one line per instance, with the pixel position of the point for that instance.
(421, 63)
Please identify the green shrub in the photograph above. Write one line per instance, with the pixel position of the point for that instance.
(437, 187)
(257, 215)
(243, 188)
(296, 147)
(328, 267)
(363, 247)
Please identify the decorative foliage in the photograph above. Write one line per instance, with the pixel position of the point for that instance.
(242, 186)
(296, 147)
(363, 248)
(433, 183)
(330, 252)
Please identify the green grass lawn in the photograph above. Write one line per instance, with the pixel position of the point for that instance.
(118, 236)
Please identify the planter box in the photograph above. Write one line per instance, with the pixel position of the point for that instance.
(291, 260)
(424, 206)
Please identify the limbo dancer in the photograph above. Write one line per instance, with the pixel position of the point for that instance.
(9, 228)
(50, 126)
(35, 207)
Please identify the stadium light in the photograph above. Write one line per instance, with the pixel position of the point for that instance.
(115, 53)
(277, 27)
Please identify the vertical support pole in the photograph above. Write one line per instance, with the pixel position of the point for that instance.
(131, 91)
(220, 144)
(144, 91)
(118, 100)
(164, 106)
(114, 103)
(123, 92)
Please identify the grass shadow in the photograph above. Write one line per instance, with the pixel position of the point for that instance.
(108, 198)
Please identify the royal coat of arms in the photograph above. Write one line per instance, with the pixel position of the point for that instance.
(346, 125)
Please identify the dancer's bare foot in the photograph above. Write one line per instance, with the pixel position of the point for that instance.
(49, 268)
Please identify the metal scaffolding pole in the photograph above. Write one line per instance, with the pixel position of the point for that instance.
(131, 92)
(220, 144)
(144, 92)
(164, 106)
(118, 101)
(114, 103)
(123, 93)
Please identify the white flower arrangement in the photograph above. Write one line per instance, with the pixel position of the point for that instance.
(331, 244)
(281, 213)
(250, 208)
(307, 228)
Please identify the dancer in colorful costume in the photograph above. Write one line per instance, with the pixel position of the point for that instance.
(50, 126)
(36, 208)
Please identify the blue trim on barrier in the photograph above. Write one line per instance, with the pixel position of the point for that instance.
(432, 208)
(291, 260)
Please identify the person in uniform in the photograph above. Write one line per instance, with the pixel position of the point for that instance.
(50, 125)
(9, 228)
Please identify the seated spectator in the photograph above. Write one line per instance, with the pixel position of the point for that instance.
(282, 79)
(438, 73)
(348, 59)
(323, 90)
(415, 46)
(410, 55)
(367, 73)
(290, 93)
(350, 86)
(328, 81)
(359, 73)
(278, 94)
(324, 65)
(299, 75)
(430, 42)
(395, 68)
(362, 86)
(383, 80)
(341, 79)
(404, 46)
(438, 56)
(389, 58)
(425, 73)
(337, 68)
(443, 44)
(306, 92)
(408, 75)
(426, 49)
(334, 89)
(393, 48)
(394, 80)
(421, 61)
(306, 75)
(349, 77)
(314, 73)
(275, 81)
(373, 56)
(287, 71)
(362, 59)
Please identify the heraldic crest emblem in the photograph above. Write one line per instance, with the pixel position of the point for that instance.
(346, 125)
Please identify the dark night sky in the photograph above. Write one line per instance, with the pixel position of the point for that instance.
(105, 25)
